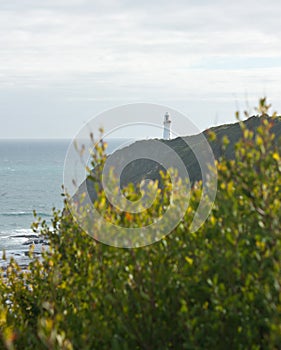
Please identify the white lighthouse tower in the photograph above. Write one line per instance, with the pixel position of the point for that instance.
(167, 127)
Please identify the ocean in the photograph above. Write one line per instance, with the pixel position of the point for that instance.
(31, 178)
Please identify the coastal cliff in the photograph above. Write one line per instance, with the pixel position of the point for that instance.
(186, 148)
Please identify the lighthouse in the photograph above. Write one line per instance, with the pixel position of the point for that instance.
(167, 127)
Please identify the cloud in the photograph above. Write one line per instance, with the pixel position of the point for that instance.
(48, 40)
(124, 50)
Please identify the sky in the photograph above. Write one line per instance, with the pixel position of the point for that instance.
(63, 62)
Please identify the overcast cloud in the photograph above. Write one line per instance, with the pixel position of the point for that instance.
(61, 61)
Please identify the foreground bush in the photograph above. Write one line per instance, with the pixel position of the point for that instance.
(218, 288)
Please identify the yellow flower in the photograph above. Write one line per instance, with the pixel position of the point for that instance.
(189, 260)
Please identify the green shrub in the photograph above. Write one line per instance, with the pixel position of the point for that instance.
(218, 288)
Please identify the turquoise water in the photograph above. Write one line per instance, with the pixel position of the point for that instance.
(31, 176)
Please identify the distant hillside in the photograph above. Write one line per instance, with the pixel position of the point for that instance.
(140, 169)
